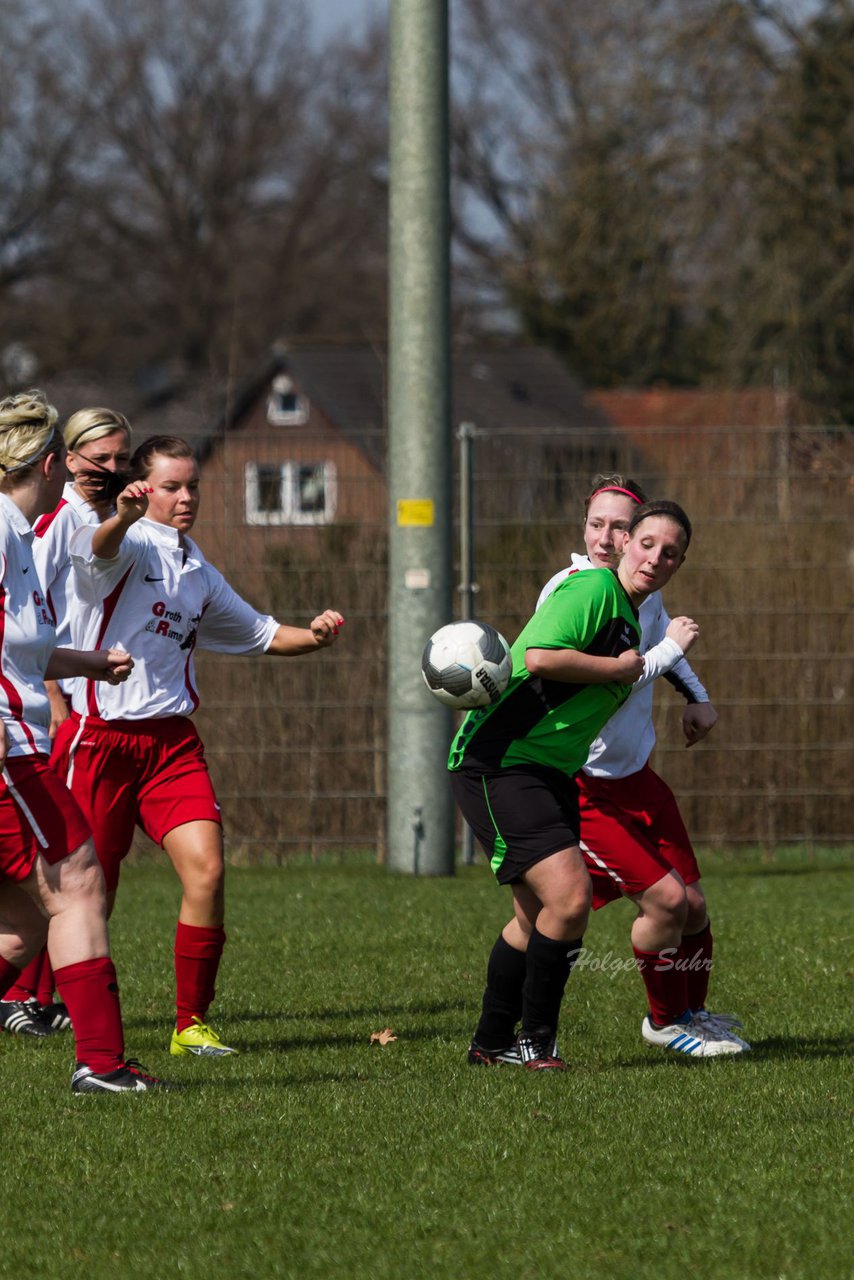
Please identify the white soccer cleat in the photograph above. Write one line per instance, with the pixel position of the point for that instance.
(695, 1038)
(725, 1022)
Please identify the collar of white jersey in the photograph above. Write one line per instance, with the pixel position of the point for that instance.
(78, 502)
(16, 517)
(165, 536)
(577, 562)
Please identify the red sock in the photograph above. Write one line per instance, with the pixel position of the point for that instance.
(666, 985)
(696, 952)
(91, 992)
(9, 974)
(197, 955)
(47, 985)
(27, 983)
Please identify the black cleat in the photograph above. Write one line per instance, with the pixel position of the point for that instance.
(538, 1051)
(130, 1077)
(55, 1015)
(481, 1057)
(22, 1018)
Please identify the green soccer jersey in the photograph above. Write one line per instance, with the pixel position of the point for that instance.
(552, 722)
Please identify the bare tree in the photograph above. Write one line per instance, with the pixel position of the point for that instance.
(641, 180)
(796, 299)
(228, 183)
(39, 128)
(588, 151)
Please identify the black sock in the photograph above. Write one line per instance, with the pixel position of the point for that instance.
(549, 965)
(502, 999)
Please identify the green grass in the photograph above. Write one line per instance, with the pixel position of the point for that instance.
(316, 1154)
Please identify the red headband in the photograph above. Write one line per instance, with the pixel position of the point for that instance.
(614, 488)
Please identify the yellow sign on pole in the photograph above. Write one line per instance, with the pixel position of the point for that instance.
(415, 513)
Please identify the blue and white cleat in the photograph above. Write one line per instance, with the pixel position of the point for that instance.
(725, 1022)
(697, 1039)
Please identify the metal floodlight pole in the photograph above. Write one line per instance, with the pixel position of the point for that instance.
(468, 588)
(466, 432)
(420, 806)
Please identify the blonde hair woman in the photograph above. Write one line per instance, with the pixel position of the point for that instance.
(98, 444)
(51, 884)
(137, 760)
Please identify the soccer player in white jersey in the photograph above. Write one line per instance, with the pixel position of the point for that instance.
(136, 758)
(98, 446)
(50, 881)
(632, 835)
(635, 841)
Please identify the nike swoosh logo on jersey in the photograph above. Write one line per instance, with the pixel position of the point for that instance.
(26, 570)
(148, 578)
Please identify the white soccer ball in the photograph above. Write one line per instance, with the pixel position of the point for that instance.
(466, 664)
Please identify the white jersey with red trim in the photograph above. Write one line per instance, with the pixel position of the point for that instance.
(53, 558)
(626, 742)
(27, 637)
(157, 601)
(53, 561)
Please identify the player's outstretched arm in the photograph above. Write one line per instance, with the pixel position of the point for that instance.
(292, 641)
(112, 665)
(131, 505)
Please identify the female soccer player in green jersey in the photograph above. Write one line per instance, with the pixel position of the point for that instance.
(512, 765)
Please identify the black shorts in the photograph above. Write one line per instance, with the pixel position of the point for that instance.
(520, 815)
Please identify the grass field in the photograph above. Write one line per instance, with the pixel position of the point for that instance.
(317, 1154)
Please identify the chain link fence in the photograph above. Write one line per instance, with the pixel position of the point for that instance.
(297, 748)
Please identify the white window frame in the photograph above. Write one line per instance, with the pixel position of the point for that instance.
(277, 417)
(288, 512)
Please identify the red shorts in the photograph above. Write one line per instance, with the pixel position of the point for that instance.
(127, 773)
(38, 815)
(632, 834)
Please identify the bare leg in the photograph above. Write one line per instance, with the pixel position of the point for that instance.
(197, 855)
(73, 895)
(23, 925)
(656, 941)
(663, 909)
(196, 852)
(562, 884)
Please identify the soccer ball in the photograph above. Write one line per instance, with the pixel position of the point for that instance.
(466, 664)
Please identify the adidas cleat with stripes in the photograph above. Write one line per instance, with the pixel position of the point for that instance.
(480, 1057)
(724, 1022)
(728, 1020)
(23, 1018)
(130, 1077)
(55, 1015)
(696, 1039)
(539, 1052)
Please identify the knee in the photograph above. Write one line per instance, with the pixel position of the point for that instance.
(79, 877)
(667, 901)
(576, 900)
(20, 947)
(204, 879)
(697, 913)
